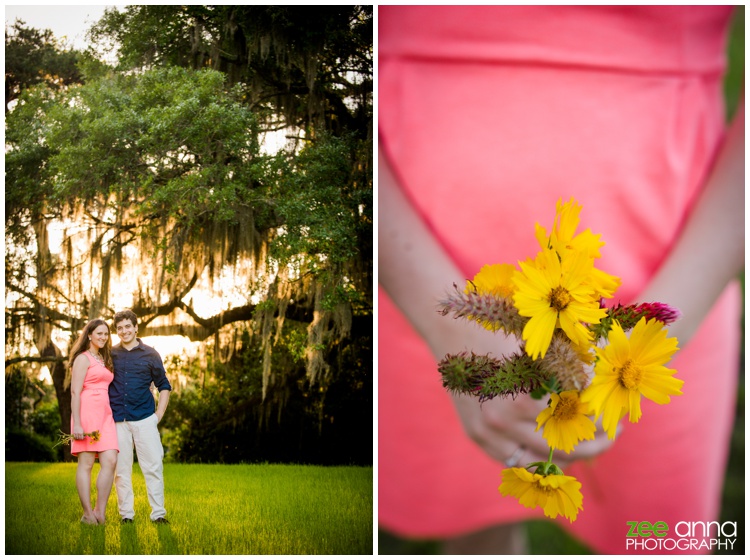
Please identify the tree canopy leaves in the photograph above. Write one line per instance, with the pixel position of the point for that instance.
(307, 65)
(32, 57)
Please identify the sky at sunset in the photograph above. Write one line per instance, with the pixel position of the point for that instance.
(69, 22)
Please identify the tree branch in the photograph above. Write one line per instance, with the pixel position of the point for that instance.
(51, 313)
(206, 328)
(150, 313)
(36, 359)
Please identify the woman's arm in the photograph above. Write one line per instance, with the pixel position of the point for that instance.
(710, 251)
(78, 374)
(413, 268)
(416, 272)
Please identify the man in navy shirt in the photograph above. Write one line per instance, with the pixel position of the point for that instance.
(137, 366)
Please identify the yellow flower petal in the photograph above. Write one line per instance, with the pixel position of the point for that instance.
(565, 421)
(538, 332)
(496, 279)
(555, 494)
(630, 368)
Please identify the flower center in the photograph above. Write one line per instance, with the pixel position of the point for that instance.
(630, 375)
(567, 408)
(544, 488)
(559, 298)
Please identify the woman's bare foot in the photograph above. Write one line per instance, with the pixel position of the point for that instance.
(99, 518)
(89, 520)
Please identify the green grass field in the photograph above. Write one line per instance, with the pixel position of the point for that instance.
(212, 509)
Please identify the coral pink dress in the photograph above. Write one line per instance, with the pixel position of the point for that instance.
(489, 115)
(96, 413)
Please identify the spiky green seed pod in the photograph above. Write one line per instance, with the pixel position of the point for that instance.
(491, 311)
(487, 377)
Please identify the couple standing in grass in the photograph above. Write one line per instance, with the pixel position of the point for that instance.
(112, 412)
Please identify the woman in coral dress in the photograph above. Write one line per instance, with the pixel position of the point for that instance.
(92, 424)
(487, 117)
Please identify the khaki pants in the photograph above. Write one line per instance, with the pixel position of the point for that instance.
(144, 436)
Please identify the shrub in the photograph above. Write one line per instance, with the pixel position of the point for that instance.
(21, 445)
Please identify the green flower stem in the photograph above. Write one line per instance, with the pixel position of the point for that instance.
(546, 467)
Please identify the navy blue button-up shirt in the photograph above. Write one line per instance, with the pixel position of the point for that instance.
(130, 392)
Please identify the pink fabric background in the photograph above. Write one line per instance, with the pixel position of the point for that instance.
(489, 115)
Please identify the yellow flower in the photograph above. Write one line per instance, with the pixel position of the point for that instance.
(67, 439)
(555, 292)
(604, 284)
(563, 239)
(563, 235)
(557, 494)
(627, 369)
(489, 295)
(495, 279)
(565, 421)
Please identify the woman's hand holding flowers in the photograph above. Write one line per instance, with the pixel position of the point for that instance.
(77, 432)
(554, 303)
(507, 428)
(67, 439)
(502, 427)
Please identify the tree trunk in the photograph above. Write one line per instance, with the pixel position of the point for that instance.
(43, 326)
(63, 394)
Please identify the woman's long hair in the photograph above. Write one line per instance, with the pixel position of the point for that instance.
(83, 343)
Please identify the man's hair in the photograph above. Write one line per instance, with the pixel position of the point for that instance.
(126, 314)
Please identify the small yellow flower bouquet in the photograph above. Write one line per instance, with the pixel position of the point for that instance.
(554, 304)
(67, 439)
